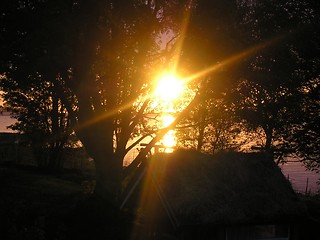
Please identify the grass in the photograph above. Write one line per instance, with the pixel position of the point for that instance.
(34, 205)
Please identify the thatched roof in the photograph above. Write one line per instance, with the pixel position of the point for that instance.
(228, 188)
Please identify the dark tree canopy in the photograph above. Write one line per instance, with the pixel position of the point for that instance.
(273, 90)
(269, 87)
(102, 54)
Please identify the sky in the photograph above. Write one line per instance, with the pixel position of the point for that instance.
(1, 101)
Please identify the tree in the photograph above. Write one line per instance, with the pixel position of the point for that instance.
(104, 52)
(210, 127)
(266, 88)
(212, 48)
(270, 94)
(41, 116)
(303, 137)
(31, 56)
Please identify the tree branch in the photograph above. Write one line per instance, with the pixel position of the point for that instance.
(144, 152)
(137, 141)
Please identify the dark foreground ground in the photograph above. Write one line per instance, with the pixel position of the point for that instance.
(40, 206)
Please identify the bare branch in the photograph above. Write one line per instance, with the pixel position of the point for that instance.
(139, 115)
(138, 141)
(160, 134)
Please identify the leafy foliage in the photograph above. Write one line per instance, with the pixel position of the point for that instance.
(268, 89)
(102, 53)
(41, 116)
(271, 96)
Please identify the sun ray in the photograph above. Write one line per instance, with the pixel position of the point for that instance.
(105, 115)
(233, 59)
(193, 77)
(182, 34)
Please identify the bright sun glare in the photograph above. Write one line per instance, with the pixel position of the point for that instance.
(168, 87)
(169, 140)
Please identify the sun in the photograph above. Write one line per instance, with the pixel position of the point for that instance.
(168, 87)
(169, 91)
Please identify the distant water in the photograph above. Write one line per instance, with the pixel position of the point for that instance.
(5, 121)
(302, 180)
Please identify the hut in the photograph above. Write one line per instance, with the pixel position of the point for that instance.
(189, 195)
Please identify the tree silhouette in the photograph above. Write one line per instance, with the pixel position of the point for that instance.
(104, 52)
(265, 89)
(42, 118)
(270, 94)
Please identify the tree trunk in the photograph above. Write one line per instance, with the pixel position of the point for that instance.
(200, 136)
(108, 178)
(269, 136)
(98, 141)
(202, 112)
